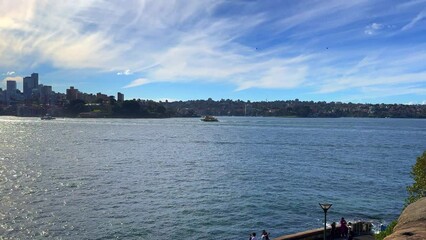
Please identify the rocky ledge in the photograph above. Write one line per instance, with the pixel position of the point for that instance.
(412, 222)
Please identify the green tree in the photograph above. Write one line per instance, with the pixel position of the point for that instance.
(418, 172)
(76, 106)
(130, 108)
(416, 191)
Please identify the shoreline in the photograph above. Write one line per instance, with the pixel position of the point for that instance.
(361, 230)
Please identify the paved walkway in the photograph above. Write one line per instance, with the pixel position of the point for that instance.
(364, 237)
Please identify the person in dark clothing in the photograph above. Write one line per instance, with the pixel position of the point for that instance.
(333, 231)
(265, 235)
(343, 228)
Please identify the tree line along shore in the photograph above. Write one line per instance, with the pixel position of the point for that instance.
(138, 108)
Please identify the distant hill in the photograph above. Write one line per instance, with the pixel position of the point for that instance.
(292, 108)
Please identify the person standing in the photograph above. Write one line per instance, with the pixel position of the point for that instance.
(333, 231)
(343, 228)
(350, 231)
(265, 235)
(253, 236)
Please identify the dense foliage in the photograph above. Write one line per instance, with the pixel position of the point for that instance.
(418, 172)
(105, 106)
(294, 108)
(416, 191)
(112, 108)
(388, 231)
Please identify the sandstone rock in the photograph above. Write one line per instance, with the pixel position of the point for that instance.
(412, 223)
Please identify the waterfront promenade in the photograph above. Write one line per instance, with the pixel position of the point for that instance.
(361, 230)
(411, 225)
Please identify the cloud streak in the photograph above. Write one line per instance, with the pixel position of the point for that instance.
(323, 47)
(413, 22)
(125, 72)
(137, 82)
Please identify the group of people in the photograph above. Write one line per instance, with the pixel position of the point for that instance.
(265, 236)
(345, 230)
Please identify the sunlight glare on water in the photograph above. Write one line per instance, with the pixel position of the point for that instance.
(161, 178)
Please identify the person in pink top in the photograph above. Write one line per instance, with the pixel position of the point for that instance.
(343, 228)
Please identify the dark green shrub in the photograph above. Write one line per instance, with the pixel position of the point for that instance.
(388, 231)
(418, 172)
(416, 191)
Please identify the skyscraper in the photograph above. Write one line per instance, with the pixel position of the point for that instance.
(45, 94)
(34, 76)
(30, 83)
(120, 97)
(28, 86)
(10, 90)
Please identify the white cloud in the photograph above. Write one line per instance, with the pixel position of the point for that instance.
(387, 68)
(137, 82)
(167, 41)
(375, 79)
(125, 72)
(18, 80)
(277, 77)
(169, 47)
(413, 3)
(373, 28)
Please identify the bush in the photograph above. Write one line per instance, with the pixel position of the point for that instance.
(416, 191)
(418, 173)
(388, 231)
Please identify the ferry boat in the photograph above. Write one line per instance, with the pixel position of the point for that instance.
(209, 118)
(47, 117)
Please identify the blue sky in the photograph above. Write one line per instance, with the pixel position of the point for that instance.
(352, 51)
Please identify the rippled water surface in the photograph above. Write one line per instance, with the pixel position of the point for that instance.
(187, 179)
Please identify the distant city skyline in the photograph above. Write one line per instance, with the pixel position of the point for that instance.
(350, 51)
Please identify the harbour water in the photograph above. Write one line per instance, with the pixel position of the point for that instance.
(188, 179)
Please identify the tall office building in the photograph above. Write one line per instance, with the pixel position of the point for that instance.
(28, 86)
(10, 90)
(34, 76)
(120, 97)
(2, 96)
(30, 83)
(45, 94)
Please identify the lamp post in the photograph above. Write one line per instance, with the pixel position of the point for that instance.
(325, 207)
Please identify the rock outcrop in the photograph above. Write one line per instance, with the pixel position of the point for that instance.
(412, 222)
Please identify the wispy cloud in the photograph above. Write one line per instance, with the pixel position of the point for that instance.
(137, 82)
(125, 72)
(9, 73)
(412, 3)
(384, 69)
(413, 22)
(325, 47)
(373, 80)
(373, 28)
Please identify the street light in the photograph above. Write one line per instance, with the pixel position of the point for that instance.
(325, 207)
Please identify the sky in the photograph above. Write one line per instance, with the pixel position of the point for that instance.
(359, 51)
